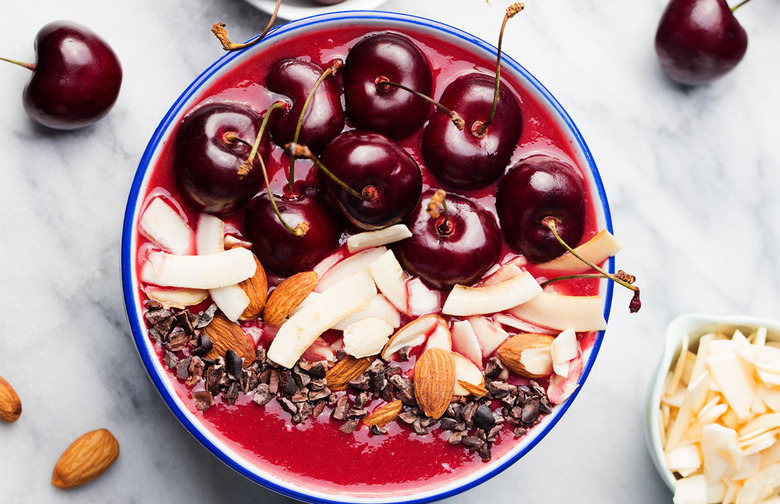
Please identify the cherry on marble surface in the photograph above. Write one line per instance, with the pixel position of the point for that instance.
(76, 77)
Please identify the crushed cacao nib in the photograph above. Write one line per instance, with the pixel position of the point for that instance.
(303, 393)
(170, 360)
(203, 400)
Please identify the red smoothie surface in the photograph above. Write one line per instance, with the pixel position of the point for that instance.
(316, 453)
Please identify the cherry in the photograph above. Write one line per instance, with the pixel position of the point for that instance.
(324, 116)
(463, 159)
(388, 110)
(211, 144)
(699, 40)
(76, 77)
(536, 188)
(478, 154)
(380, 170)
(454, 246)
(284, 252)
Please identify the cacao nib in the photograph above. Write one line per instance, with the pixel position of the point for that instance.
(233, 364)
(262, 395)
(203, 400)
(483, 417)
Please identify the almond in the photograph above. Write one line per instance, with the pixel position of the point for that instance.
(385, 414)
(434, 381)
(227, 335)
(527, 354)
(256, 288)
(475, 390)
(10, 405)
(288, 295)
(85, 459)
(345, 370)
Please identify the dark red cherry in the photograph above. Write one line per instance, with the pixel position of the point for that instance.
(462, 159)
(211, 144)
(454, 249)
(281, 251)
(385, 109)
(76, 77)
(324, 117)
(698, 41)
(538, 187)
(375, 166)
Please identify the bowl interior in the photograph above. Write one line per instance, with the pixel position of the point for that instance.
(190, 96)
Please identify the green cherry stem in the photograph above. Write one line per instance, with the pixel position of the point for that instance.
(740, 4)
(481, 128)
(335, 66)
(301, 151)
(384, 82)
(246, 167)
(621, 278)
(29, 66)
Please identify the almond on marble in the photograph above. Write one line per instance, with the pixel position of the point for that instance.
(85, 459)
(10, 404)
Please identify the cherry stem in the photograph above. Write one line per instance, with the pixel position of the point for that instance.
(436, 206)
(510, 13)
(622, 278)
(218, 29)
(383, 82)
(740, 4)
(246, 167)
(29, 66)
(334, 67)
(302, 151)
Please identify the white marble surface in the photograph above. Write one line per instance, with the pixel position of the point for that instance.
(692, 176)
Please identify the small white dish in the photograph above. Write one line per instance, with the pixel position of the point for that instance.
(695, 325)
(296, 9)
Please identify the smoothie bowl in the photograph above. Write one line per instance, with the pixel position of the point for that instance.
(390, 336)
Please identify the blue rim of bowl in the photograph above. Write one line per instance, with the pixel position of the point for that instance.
(129, 286)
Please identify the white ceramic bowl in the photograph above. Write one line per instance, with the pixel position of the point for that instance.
(146, 348)
(297, 9)
(695, 325)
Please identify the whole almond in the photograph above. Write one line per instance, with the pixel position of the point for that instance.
(385, 414)
(434, 381)
(288, 295)
(256, 288)
(227, 335)
(85, 459)
(511, 353)
(345, 370)
(10, 405)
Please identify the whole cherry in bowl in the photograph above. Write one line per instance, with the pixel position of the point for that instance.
(420, 386)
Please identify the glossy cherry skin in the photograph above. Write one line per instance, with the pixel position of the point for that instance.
(207, 159)
(377, 167)
(537, 187)
(386, 109)
(76, 78)
(278, 249)
(324, 118)
(460, 159)
(698, 41)
(443, 256)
